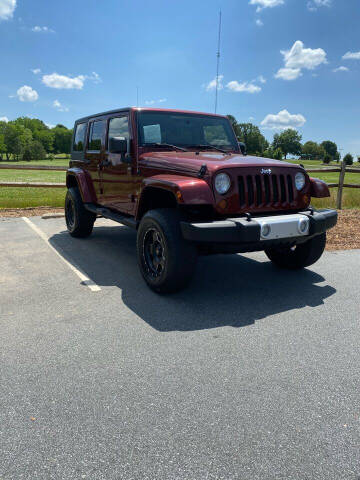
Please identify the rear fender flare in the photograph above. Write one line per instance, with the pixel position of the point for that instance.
(84, 183)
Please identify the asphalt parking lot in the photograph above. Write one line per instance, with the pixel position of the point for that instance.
(251, 373)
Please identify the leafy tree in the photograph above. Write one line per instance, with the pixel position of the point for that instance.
(348, 159)
(46, 137)
(34, 151)
(289, 141)
(33, 124)
(327, 158)
(252, 137)
(330, 148)
(62, 139)
(313, 151)
(278, 154)
(250, 134)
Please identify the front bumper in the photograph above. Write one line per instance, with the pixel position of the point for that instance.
(243, 230)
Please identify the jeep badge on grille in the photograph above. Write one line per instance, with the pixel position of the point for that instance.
(265, 171)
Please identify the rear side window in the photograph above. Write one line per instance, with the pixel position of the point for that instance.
(79, 139)
(96, 134)
(119, 127)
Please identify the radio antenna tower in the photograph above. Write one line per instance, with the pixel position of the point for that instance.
(217, 64)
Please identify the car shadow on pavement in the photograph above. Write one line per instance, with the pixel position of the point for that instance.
(227, 290)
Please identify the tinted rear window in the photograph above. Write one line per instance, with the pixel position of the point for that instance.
(79, 139)
(96, 135)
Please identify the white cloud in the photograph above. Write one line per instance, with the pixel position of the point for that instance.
(36, 71)
(62, 81)
(152, 102)
(27, 94)
(283, 120)
(212, 85)
(4, 119)
(351, 56)
(341, 69)
(50, 125)
(7, 8)
(313, 5)
(247, 87)
(261, 79)
(266, 3)
(298, 58)
(38, 29)
(259, 22)
(59, 107)
(95, 77)
(288, 73)
(55, 80)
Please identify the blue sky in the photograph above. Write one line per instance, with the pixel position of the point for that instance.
(63, 60)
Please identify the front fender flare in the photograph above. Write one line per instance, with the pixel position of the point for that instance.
(187, 190)
(84, 183)
(319, 188)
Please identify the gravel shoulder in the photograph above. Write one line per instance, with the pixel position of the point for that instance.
(345, 236)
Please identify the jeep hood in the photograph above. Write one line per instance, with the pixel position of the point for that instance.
(190, 162)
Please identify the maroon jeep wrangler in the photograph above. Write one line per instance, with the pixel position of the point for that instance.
(183, 181)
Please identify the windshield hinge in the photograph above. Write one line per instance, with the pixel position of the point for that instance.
(202, 171)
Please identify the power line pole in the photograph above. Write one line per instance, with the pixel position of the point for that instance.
(217, 64)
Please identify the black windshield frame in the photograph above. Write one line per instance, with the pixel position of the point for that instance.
(195, 120)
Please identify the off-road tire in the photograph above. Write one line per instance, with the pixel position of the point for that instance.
(301, 256)
(168, 262)
(79, 221)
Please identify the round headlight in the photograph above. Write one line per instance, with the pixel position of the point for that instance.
(299, 181)
(222, 183)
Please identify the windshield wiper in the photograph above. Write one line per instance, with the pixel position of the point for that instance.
(209, 147)
(158, 144)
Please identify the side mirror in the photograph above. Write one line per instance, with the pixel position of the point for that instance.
(118, 145)
(242, 147)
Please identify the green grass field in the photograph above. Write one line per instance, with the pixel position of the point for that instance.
(61, 162)
(13, 197)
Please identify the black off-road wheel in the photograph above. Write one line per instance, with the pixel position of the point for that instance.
(167, 262)
(79, 221)
(300, 256)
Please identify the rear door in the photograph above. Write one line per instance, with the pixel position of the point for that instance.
(95, 153)
(116, 174)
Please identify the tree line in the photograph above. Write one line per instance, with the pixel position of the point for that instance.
(31, 139)
(285, 143)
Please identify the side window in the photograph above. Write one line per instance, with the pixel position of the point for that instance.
(96, 135)
(118, 127)
(79, 139)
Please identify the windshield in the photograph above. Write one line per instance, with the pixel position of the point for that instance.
(185, 130)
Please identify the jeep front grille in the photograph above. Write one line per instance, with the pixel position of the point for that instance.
(265, 190)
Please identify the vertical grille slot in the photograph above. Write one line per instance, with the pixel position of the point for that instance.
(267, 189)
(258, 190)
(250, 190)
(290, 189)
(275, 189)
(282, 189)
(241, 191)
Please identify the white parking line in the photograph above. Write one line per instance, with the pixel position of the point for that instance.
(85, 280)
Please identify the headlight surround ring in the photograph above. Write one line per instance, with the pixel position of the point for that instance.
(300, 181)
(222, 183)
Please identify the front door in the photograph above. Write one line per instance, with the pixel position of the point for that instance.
(116, 174)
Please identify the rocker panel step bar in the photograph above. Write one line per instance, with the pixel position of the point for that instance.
(107, 213)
